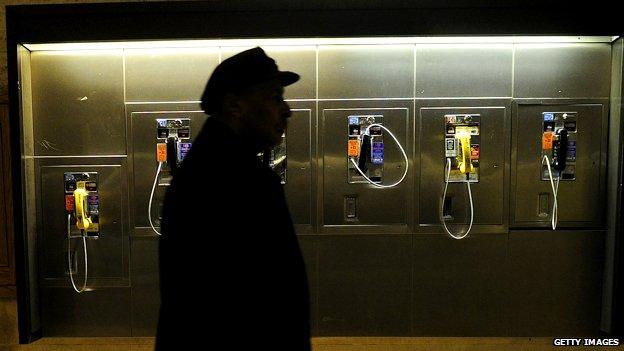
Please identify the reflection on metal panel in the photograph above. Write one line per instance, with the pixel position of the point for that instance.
(145, 164)
(78, 103)
(562, 70)
(580, 201)
(108, 255)
(298, 59)
(380, 207)
(168, 74)
(299, 166)
(468, 70)
(489, 193)
(366, 71)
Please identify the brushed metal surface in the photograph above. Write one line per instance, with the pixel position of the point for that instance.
(365, 285)
(463, 70)
(108, 255)
(175, 74)
(309, 249)
(300, 166)
(460, 287)
(298, 59)
(614, 181)
(365, 71)
(381, 209)
(144, 164)
(581, 201)
(145, 288)
(562, 70)
(104, 312)
(489, 196)
(555, 282)
(77, 99)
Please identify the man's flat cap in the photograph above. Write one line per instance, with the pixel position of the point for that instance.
(239, 72)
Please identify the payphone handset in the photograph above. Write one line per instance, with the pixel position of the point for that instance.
(82, 207)
(365, 150)
(176, 134)
(462, 151)
(559, 131)
(83, 219)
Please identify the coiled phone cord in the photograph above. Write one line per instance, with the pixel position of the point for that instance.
(555, 190)
(69, 259)
(446, 183)
(149, 206)
(400, 148)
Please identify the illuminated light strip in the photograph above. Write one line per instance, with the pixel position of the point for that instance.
(162, 44)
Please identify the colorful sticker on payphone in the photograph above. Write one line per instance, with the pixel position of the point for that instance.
(377, 154)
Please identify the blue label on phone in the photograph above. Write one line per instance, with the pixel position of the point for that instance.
(377, 153)
(183, 149)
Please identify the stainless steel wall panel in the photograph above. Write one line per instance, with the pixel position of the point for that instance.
(562, 70)
(489, 194)
(614, 190)
(309, 249)
(365, 285)
(463, 70)
(301, 166)
(108, 255)
(104, 312)
(556, 282)
(29, 203)
(176, 74)
(301, 60)
(379, 210)
(78, 103)
(581, 201)
(467, 275)
(143, 155)
(366, 71)
(298, 59)
(144, 275)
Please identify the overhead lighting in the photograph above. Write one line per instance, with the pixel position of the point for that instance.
(163, 44)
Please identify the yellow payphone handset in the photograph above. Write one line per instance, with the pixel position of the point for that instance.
(465, 164)
(83, 220)
(82, 207)
(462, 153)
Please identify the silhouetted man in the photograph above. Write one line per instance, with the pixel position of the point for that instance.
(231, 269)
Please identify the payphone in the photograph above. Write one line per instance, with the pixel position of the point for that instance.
(462, 149)
(275, 158)
(172, 144)
(82, 207)
(365, 150)
(559, 131)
